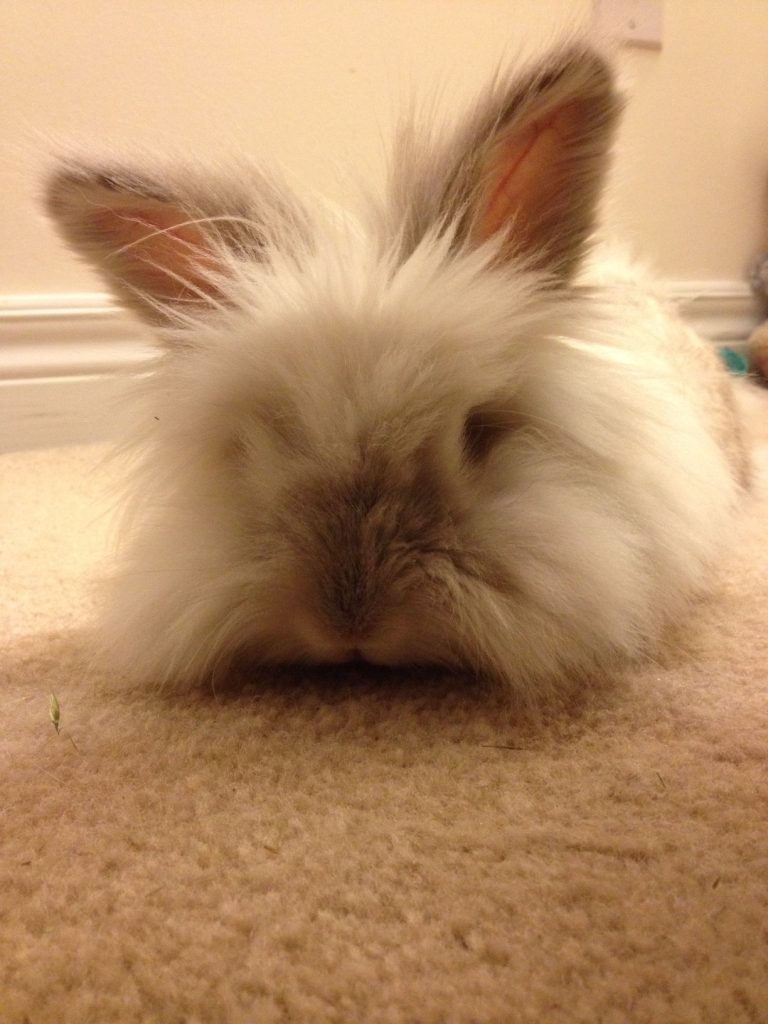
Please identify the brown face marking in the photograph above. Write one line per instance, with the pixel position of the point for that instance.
(361, 535)
(378, 544)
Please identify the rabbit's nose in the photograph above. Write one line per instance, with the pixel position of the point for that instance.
(343, 656)
(347, 655)
(352, 656)
(327, 645)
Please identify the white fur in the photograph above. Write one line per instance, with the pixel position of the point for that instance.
(304, 488)
(610, 509)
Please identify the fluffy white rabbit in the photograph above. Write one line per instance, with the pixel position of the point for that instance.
(425, 435)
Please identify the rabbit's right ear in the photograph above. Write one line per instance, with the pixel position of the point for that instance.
(166, 241)
(527, 167)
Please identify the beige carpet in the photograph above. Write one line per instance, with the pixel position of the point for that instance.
(355, 848)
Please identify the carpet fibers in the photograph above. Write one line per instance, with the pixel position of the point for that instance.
(371, 847)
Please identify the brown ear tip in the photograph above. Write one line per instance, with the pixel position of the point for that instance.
(56, 192)
(71, 189)
(590, 62)
(62, 182)
(67, 174)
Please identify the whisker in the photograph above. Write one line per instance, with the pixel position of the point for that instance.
(206, 297)
(193, 221)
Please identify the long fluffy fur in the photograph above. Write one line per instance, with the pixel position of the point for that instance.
(385, 440)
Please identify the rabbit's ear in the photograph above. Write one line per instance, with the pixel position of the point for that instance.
(528, 165)
(162, 246)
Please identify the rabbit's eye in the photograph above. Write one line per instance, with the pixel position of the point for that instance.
(484, 427)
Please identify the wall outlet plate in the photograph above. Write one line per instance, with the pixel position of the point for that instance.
(633, 22)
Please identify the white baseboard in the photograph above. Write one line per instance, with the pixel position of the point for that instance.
(723, 311)
(64, 365)
(65, 359)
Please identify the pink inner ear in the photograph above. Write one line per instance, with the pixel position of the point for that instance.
(523, 175)
(160, 253)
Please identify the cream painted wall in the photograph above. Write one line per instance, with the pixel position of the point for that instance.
(317, 83)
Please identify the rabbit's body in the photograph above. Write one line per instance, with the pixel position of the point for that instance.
(418, 439)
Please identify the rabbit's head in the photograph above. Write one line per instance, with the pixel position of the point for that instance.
(343, 454)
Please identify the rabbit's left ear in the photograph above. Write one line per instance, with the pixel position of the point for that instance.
(528, 164)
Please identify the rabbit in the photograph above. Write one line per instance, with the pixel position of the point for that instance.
(435, 431)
